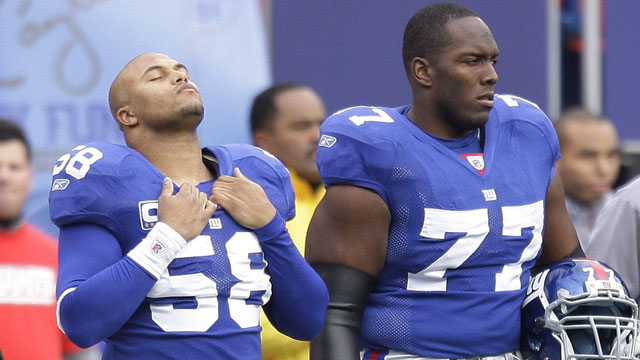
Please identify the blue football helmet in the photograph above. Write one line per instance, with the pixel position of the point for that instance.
(579, 309)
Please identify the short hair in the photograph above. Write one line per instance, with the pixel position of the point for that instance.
(577, 114)
(9, 130)
(263, 109)
(425, 34)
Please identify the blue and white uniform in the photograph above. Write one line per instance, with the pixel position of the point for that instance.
(465, 230)
(136, 284)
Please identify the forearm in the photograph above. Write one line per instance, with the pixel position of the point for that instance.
(100, 305)
(349, 289)
(93, 306)
(299, 296)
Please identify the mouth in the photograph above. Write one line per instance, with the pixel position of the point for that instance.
(187, 88)
(599, 188)
(486, 100)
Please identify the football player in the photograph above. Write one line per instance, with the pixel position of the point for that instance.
(436, 212)
(169, 250)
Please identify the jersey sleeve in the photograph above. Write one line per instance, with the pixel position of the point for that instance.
(618, 227)
(80, 181)
(525, 110)
(104, 283)
(355, 149)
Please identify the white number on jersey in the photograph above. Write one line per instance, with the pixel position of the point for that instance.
(475, 225)
(378, 116)
(512, 100)
(79, 164)
(205, 289)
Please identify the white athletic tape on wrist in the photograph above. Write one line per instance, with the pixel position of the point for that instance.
(158, 249)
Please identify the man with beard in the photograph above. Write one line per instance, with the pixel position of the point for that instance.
(164, 245)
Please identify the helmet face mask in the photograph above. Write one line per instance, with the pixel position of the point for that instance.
(579, 309)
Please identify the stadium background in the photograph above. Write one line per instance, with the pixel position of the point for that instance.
(58, 58)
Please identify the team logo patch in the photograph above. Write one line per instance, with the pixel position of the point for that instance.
(476, 160)
(327, 141)
(158, 248)
(489, 194)
(215, 223)
(59, 184)
(148, 211)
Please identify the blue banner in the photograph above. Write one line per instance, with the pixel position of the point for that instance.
(58, 59)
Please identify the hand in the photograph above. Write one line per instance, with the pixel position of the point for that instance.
(243, 199)
(186, 212)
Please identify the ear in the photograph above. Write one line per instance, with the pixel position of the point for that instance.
(125, 117)
(421, 71)
(262, 139)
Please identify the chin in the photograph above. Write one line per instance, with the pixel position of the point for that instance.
(480, 120)
(193, 110)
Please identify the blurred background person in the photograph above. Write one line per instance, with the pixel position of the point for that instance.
(28, 264)
(285, 120)
(615, 237)
(589, 166)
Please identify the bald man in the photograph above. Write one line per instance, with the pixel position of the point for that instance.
(589, 166)
(164, 245)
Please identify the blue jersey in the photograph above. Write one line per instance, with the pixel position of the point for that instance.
(461, 243)
(206, 304)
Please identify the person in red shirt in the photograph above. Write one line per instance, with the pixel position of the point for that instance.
(28, 264)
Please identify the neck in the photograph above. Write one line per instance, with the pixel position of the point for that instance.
(434, 123)
(178, 156)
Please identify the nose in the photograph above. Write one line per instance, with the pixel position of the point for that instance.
(315, 133)
(180, 77)
(606, 167)
(4, 174)
(490, 76)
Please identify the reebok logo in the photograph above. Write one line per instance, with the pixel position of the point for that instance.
(327, 141)
(59, 184)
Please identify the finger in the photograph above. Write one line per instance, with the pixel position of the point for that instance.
(237, 173)
(210, 204)
(186, 188)
(219, 198)
(224, 179)
(222, 186)
(204, 199)
(167, 187)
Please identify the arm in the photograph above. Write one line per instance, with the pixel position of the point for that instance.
(560, 239)
(96, 282)
(618, 227)
(299, 299)
(347, 244)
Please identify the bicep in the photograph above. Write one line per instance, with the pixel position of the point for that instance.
(560, 237)
(350, 227)
(85, 249)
